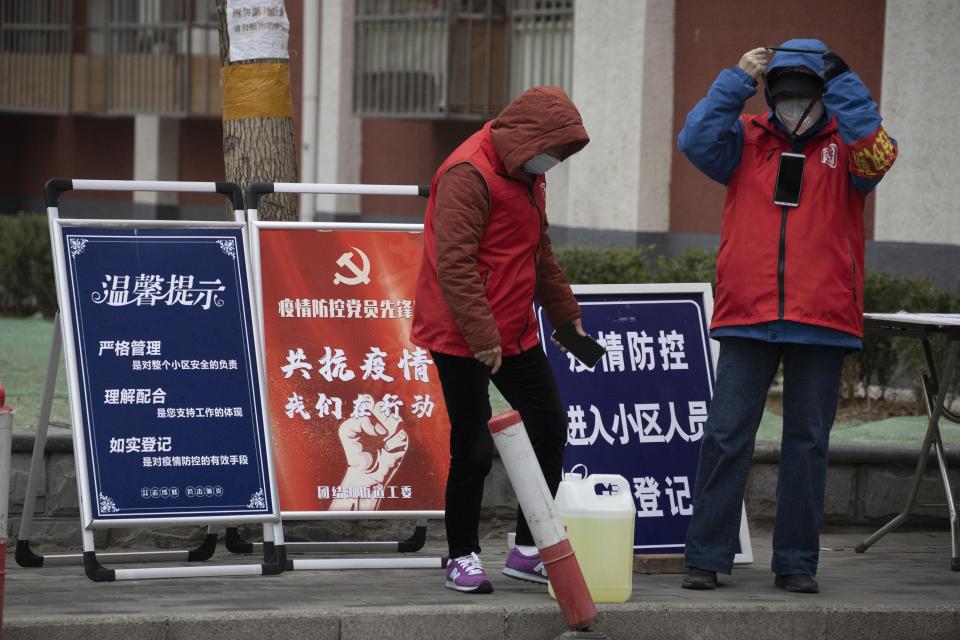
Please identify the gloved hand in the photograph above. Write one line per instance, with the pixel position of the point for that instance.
(833, 65)
(755, 62)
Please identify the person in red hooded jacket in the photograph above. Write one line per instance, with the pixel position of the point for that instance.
(486, 259)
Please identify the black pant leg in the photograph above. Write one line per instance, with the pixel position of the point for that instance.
(527, 383)
(465, 383)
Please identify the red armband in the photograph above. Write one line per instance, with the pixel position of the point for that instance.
(874, 155)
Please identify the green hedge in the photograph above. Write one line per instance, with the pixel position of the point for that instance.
(591, 265)
(881, 358)
(26, 267)
(27, 287)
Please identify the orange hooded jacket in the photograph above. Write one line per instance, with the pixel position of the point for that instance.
(487, 255)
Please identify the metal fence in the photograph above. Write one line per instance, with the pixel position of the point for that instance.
(462, 59)
(115, 57)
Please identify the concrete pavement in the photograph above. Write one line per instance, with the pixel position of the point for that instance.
(901, 588)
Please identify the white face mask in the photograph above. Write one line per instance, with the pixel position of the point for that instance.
(540, 163)
(790, 110)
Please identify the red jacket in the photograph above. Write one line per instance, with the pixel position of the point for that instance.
(803, 263)
(486, 253)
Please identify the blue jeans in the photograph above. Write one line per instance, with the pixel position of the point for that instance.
(811, 385)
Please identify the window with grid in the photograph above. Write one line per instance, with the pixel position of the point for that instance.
(117, 57)
(461, 59)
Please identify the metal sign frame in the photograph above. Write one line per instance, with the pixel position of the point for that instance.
(270, 516)
(704, 290)
(416, 541)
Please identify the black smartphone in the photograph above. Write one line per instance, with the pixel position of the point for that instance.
(789, 179)
(584, 348)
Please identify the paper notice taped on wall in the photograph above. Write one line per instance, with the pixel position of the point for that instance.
(258, 29)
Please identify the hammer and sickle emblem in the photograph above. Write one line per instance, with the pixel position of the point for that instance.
(361, 275)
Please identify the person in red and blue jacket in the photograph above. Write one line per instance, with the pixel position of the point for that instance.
(789, 288)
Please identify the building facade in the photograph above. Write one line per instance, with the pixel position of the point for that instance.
(129, 89)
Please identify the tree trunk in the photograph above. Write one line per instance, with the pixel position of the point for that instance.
(258, 140)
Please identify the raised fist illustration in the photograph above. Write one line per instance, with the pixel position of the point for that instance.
(374, 446)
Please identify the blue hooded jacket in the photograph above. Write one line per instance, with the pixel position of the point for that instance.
(712, 137)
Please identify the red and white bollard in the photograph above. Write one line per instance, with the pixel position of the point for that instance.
(6, 438)
(532, 492)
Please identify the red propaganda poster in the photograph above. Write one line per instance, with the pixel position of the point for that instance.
(356, 410)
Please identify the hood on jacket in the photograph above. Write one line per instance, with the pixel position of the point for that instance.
(789, 60)
(539, 119)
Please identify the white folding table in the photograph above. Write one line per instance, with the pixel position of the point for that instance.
(923, 326)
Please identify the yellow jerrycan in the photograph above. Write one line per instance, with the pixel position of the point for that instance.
(599, 514)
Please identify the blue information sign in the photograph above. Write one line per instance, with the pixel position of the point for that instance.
(640, 412)
(169, 393)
